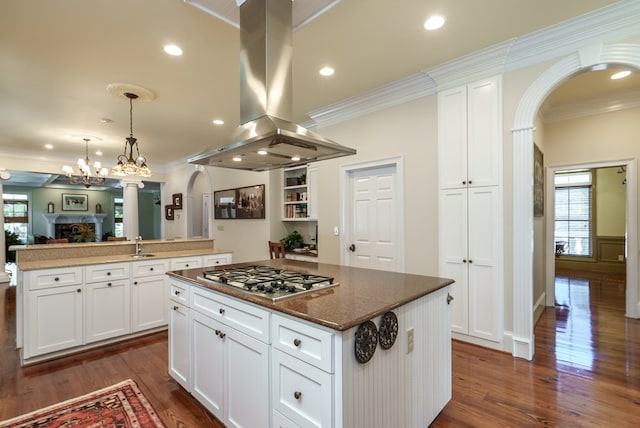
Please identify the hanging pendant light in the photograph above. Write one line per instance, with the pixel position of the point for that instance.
(128, 165)
(84, 175)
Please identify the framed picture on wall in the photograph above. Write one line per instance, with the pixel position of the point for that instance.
(177, 201)
(75, 202)
(250, 202)
(168, 212)
(538, 182)
(224, 204)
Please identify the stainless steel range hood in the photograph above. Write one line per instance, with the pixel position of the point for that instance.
(267, 139)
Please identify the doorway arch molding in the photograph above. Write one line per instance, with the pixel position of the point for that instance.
(522, 137)
(188, 205)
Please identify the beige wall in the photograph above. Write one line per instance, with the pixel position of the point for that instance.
(610, 202)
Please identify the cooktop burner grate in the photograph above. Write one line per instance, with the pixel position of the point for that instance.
(268, 282)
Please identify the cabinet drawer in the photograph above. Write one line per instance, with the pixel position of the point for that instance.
(300, 392)
(244, 317)
(216, 260)
(107, 272)
(39, 279)
(308, 343)
(179, 292)
(148, 268)
(280, 421)
(186, 263)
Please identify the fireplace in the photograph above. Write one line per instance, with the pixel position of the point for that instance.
(59, 225)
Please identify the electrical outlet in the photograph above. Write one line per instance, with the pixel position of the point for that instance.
(409, 340)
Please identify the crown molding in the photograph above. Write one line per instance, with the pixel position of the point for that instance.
(592, 107)
(618, 22)
(399, 92)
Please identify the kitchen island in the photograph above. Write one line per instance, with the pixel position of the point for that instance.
(372, 351)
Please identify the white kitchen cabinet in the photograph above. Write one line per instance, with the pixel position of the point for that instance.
(216, 260)
(107, 310)
(470, 135)
(229, 368)
(179, 334)
(53, 319)
(470, 208)
(149, 295)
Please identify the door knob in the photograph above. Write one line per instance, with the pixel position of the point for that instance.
(352, 247)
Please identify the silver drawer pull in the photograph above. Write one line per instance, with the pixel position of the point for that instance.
(175, 308)
(151, 269)
(56, 279)
(221, 311)
(79, 290)
(177, 292)
(297, 342)
(108, 273)
(297, 395)
(109, 284)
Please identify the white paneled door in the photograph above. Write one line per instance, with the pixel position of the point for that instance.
(372, 219)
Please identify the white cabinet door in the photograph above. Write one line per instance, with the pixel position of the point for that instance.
(179, 344)
(108, 312)
(148, 302)
(485, 283)
(484, 129)
(207, 370)
(54, 320)
(247, 380)
(453, 254)
(452, 137)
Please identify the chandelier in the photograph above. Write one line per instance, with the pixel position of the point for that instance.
(128, 165)
(85, 177)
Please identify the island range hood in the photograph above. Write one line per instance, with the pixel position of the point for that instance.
(267, 139)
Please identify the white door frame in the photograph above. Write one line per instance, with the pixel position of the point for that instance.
(522, 166)
(346, 197)
(631, 213)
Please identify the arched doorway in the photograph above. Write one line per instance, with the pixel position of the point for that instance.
(197, 206)
(523, 137)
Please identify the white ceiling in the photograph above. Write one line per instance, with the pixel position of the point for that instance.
(57, 58)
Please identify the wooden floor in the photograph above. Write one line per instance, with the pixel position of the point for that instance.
(586, 372)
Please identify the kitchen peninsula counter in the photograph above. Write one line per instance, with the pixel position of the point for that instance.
(48, 256)
(362, 294)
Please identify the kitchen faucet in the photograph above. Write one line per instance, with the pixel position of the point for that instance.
(138, 245)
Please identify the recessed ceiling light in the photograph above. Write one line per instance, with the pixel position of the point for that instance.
(262, 152)
(327, 71)
(434, 22)
(218, 122)
(295, 158)
(173, 50)
(237, 159)
(48, 146)
(106, 120)
(620, 75)
(99, 152)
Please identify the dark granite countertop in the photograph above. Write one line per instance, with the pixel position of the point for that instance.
(363, 294)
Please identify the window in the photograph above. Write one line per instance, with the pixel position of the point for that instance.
(573, 213)
(16, 214)
(118, 214)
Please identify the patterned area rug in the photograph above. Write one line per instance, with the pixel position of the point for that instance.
(121, 405)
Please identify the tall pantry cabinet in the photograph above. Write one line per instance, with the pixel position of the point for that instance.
(470, 208)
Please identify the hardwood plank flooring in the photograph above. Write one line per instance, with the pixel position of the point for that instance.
(586, 372)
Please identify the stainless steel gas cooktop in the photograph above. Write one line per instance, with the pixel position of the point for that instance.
(268, 282)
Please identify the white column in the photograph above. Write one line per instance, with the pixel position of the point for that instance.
(130, 205)
(4, 277)
(523, 338)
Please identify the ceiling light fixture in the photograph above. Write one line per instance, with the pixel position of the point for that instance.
(127, 165)
(173, 50)
(218, 122)
(327, 71)
(85, 177)
(620, 75)
(434, 22)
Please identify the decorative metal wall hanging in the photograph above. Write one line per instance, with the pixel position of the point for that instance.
(388, 331)
(366, 341)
